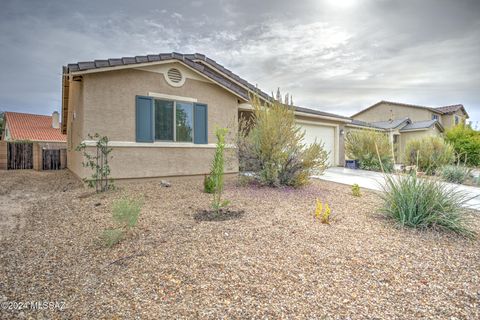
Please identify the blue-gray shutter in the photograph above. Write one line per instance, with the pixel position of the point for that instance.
(200, 125)
(144, 117)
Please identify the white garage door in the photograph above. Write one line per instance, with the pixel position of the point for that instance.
(322, 134)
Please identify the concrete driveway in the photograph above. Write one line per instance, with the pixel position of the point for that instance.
(374, 181)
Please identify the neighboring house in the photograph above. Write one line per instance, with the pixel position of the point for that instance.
(406, 122)
(160, 113)
(32, 141)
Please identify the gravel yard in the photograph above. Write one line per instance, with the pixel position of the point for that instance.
(274, 261)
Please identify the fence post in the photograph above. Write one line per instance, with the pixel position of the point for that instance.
(3, 155)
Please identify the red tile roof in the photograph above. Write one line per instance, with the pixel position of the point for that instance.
(34, 127)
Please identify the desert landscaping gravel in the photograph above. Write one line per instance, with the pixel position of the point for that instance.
(273, 261)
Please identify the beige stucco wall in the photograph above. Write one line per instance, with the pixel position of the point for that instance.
(104, 103)
(384, 111)
(448, 120)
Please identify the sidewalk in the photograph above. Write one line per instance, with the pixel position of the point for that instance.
(374, 180)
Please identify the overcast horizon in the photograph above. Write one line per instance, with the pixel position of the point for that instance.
(331, 55)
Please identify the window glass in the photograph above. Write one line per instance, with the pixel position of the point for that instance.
(164, 120)
(184, 122)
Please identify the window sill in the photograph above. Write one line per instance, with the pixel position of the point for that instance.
(157, 144)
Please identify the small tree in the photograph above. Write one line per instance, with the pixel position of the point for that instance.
(362, 145)
(271, 145)
(215, 179)
(466, 142)
(100, 178)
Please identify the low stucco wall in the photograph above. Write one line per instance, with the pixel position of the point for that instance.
(153, 162)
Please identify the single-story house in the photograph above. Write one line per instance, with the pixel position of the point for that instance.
(405, 122)
(32, 141)
(160, 113)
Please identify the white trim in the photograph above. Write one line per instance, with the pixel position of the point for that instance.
(156, 144)
(336, 132)
(171, 97)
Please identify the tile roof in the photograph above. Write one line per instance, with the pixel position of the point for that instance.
(199, 62)
(34, 127)
(398, 104)
(452, 109)
(360, 123)
(420, 125)
(390, 124)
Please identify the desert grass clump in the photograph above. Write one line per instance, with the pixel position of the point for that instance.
(455, 173)
(424, 203)
(371, 148)
(356, 190)
(111, 237)
(125, 214)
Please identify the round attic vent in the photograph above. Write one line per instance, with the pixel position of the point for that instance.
(174, 75)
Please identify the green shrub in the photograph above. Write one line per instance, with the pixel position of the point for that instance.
(356, 190)
(271, 145)
(111, 237)
(217, 172)
(208, 184)
(428, 154)
(362, 145)
(466, 142)
(126, 212)
(455, 174)
(424, 203)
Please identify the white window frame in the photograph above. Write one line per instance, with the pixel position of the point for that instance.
(174, 120)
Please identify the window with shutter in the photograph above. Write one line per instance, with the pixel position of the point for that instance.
(168, 120)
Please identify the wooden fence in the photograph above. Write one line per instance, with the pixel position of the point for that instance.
(19, 155)
(3, 155)
(51, 159)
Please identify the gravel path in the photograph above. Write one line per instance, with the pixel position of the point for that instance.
(273, 262)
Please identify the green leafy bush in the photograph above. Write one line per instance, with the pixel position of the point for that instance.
(362, 145)
(424, 203)
(208, 184)
(455, 174)
(271, 145)
(428, 154)
(466, 142)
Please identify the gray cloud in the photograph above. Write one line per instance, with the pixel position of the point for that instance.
(338, 56)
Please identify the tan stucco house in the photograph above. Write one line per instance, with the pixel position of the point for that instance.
(405, 122)
(32, 141)
(160, 113)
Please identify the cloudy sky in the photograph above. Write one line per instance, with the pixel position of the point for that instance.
(334, 55)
